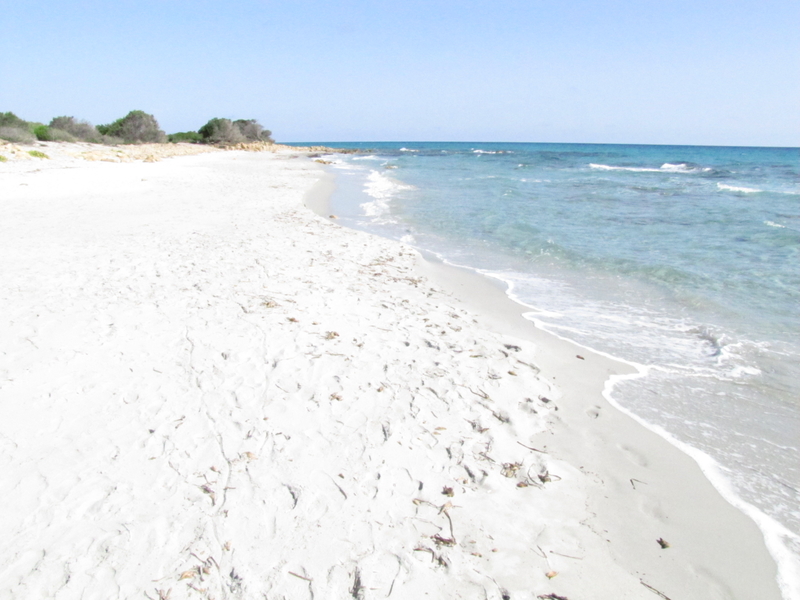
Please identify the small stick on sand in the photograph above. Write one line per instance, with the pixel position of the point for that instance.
(452, 534)
(480, 393)
(299, 576)
(654, 590)
(565, 555)
(529, 448)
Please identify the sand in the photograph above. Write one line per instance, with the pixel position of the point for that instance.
(209, 391)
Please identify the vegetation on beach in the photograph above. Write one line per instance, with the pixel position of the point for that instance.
(3, 158)
(225, 131)
(190, 137)
(14, 129)
(71, 129)
(37, 154)
(60, 129)
(137, 127)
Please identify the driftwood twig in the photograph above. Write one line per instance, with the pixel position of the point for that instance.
(654, 590)
(529, 448)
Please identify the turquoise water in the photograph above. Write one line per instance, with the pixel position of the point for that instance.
(682, 260)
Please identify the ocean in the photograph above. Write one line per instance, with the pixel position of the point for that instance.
(682, 260)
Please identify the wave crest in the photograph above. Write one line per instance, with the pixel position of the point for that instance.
(740, 189)
(665, 168)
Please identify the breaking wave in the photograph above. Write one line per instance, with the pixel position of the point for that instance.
(665, 168)
(382, 189)
(734, 188)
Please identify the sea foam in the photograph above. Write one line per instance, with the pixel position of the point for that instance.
(382, 189)
(740, 189)
(665, 168)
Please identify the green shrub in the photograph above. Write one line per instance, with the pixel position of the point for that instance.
(3, 158)
(185, 136)
(19, 135)
(37, 154)
(135, 127)
(42, 133)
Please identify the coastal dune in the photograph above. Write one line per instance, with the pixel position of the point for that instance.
(209, 391)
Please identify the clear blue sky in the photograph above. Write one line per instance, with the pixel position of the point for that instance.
(636, 71)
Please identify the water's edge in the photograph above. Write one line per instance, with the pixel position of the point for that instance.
(770, 533)
(774, 534)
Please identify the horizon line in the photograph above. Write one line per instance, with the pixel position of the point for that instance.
(322, 143)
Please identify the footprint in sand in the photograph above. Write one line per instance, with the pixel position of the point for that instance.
(634, 456)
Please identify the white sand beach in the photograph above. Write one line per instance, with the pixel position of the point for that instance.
(207, 390)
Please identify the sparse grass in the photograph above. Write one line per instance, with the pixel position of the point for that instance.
(37, 154)
(3, 158)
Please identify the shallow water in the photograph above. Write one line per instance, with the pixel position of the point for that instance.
(682, 260)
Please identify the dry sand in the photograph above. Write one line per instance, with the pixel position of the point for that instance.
(209, 391)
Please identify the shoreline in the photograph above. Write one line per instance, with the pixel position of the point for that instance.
(219, 393)
(774, 535)
(715, 522)
(499, 311)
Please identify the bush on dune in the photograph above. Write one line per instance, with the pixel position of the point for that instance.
(9, 119)
(225, 131)
(44, 133)
(63, 128)
(253, 131)
(59, 135)
(17, 135)
(14, 129)
(135, 127)
(221, 131)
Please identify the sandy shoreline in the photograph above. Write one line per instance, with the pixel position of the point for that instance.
(210, 391)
